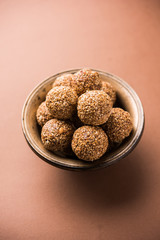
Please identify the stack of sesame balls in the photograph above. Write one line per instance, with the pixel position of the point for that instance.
(78, 116)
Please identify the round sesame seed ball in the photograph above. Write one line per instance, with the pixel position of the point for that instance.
(118, 126)
(108, 88)
(43, 115)
(89, 143)
(94, 107)
(57, 134)
(86, 79)
(61, 102)
(64, 80)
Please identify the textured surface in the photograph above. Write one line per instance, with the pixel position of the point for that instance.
(43, 115)
(62, 102)
(86, 80)
(39, 39)
(64, 80)
(94, 107)
(89, 143)
(119, 125)
(108, 88)
(56, 135)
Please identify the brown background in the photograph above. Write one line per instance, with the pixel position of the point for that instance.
(38, 39)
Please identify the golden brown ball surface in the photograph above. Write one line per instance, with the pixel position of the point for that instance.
(94, 107)
(43, 115)
(61, 102)
(56, 135)
(108, 88)
(118, 126)
(89, 143)
(86, 79)
(64, 80)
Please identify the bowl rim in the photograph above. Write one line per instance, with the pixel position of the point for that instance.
(129, 148)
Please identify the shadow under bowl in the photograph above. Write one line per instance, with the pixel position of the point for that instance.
(126, 98)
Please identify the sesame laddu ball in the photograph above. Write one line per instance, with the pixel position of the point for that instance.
(87, 79)
(119, 125)
(43, 115)
(61, 102)
(94, 107)
(108, 88)
(89, 143)
(57, 134)
(64, 80)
